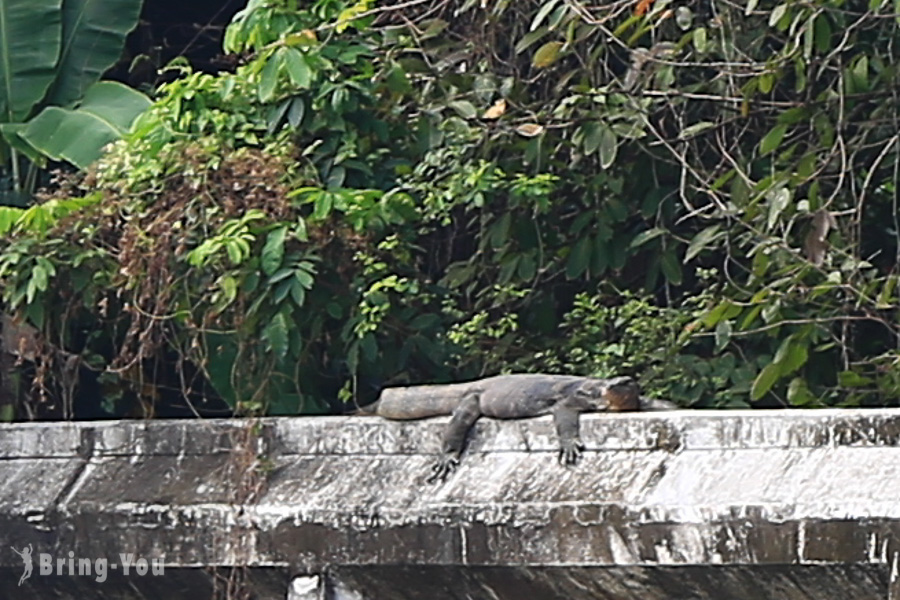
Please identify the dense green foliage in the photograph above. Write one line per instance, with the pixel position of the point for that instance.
(698, 194)
(52, 104)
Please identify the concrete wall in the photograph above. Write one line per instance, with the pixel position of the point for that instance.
(677, 505)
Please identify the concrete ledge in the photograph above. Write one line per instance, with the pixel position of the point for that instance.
(680, 505)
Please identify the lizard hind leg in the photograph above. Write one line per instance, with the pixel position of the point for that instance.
(464, 416)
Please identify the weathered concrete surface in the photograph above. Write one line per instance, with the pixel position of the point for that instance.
(682, 505)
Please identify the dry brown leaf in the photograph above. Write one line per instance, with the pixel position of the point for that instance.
(530, 129)
(496, 111)
(642, 7)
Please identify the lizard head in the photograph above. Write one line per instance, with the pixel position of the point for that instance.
(614, 394)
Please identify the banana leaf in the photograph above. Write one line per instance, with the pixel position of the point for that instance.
(93, 34)
(79, 135)
(30, 40)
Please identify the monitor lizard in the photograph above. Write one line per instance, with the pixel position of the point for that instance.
(513, 396)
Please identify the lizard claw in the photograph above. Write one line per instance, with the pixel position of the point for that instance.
(570, 452)
(442, 469)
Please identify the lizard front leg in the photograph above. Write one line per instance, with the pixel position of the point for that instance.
(570, 447)
(464, 416)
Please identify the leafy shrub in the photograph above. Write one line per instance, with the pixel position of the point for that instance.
(448, 190)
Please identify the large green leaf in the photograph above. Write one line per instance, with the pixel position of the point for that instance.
(93, 34)
(114, 102)
(30, 38)
(78, 136)
(75, 136)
